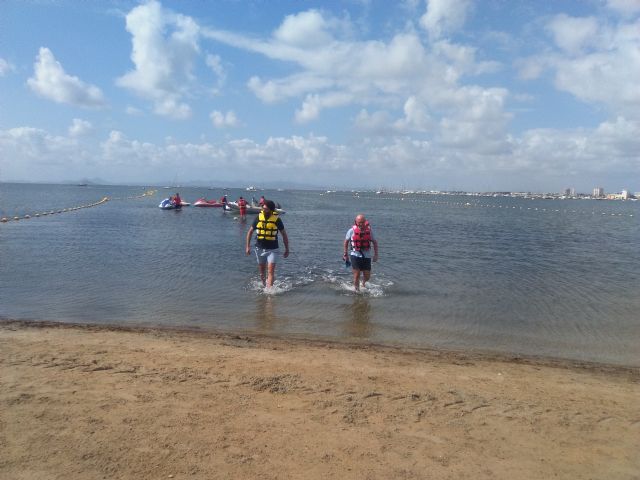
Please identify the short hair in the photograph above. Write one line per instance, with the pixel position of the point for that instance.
(270, 205)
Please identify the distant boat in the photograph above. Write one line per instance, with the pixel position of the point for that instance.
(251, 188)
(82, 185)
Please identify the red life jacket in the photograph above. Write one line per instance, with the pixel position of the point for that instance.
(242, 202)
(361, 238)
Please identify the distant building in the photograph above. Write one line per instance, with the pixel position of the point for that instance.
(598, 192)
(624, 195)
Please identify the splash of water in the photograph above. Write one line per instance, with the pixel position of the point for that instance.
(279, 287)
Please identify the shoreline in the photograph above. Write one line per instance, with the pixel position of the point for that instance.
(317, 340)
(94, 401)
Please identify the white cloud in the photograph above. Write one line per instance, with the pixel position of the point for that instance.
(625, 7)
(594, 61)
(463, 58)
(133, 111)
(574, 35)
(33, 154)
(304, 30)
(51, 82)
(606, 76)
(531, 68)
(376, 123)
(273, 91)
(117, 151)
(339, 71)
(459, 146)
(214, 62)
(416, 116)
(165, 46)
(444, 16)
(222, 120)
(79, 127)
(5, 67)
(313, 104)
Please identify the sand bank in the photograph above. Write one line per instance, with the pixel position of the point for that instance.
(92, 403)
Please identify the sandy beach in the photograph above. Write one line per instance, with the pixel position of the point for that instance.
(87, 402)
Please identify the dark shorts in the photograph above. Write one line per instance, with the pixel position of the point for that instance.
(359, 263)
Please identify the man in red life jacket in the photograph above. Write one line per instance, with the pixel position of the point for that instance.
(360, 239)
(242, 203)
(177, 201)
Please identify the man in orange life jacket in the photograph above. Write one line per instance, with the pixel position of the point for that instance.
(360, 238)
(267, 225)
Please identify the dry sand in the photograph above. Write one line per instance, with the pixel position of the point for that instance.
(81, 402)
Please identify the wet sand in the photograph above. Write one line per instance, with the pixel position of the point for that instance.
(87, 402)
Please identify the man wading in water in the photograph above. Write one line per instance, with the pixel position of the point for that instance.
(360, 238)
(267, 225)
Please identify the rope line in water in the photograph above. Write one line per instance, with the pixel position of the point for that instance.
(53, 212)
(505, 207)
(148, 193)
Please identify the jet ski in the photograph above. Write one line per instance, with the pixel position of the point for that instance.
(167, 204)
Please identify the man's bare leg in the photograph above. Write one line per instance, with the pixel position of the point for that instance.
(366, 275)
(356, 279)
(262, 268)
(271, 277)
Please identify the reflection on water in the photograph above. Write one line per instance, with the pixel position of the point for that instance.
(359, 318)
(265, 313)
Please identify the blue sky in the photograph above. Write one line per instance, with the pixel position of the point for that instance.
(438, 94)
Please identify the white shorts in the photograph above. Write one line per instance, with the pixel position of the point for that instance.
(265, 255)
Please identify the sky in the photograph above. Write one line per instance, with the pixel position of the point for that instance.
(484, 95)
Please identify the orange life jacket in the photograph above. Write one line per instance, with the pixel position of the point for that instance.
(361, 237)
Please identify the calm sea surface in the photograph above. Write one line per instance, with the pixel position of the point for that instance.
(556, 278)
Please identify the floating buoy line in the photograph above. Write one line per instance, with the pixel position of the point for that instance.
(72, 209)
(503, 207)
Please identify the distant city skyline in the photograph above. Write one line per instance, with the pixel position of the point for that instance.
(455, 95)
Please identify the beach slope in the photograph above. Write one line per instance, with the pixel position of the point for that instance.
(86, 402)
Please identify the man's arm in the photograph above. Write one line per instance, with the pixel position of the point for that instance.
(247, 248)
(285, 240)
(375, 250)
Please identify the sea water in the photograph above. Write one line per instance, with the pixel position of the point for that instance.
(557, 278)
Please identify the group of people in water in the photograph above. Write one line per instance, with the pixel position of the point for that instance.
(242, 205)
(358, 245)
